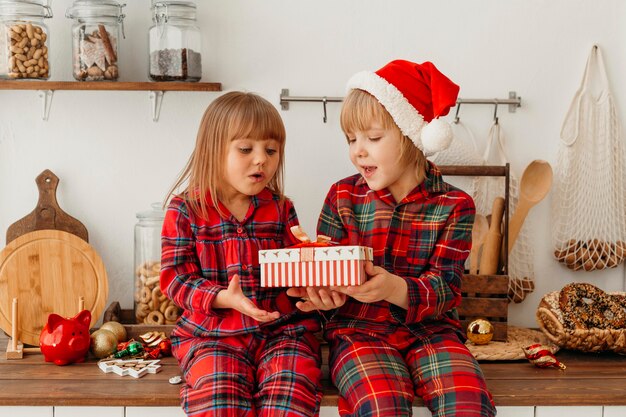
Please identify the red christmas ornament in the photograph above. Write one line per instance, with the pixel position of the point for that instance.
(541, 357)
(166, 347)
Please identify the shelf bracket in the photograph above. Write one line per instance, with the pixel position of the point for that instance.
(156, 97)
(46, 101)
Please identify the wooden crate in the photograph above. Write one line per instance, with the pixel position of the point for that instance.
(485, 296)
(115, 313)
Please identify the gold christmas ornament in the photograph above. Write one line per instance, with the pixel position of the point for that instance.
(103, 343)
(117, 329)
(480, 332)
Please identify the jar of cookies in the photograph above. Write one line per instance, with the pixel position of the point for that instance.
(151, 305)
(174, 42)
(24, 39)
(95, 39)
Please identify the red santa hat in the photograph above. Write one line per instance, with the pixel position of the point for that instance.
(415, 95)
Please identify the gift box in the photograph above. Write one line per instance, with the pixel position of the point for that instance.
(314, 266)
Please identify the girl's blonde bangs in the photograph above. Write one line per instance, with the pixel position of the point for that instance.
(256, 119)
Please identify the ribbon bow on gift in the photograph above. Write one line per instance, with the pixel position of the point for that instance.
(305, 241)
(307, 247)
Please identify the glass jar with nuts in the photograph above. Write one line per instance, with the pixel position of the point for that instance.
(151, 305)
(24, 39)
(95, 35)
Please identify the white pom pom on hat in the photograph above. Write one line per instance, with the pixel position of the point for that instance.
(415, 95)
(436, 136)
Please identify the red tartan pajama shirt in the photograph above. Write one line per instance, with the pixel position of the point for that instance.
(199, 258)
(425, 239)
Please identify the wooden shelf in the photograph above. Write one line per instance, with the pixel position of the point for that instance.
(107, 85)
(46, 89)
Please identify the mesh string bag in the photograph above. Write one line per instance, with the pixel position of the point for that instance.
(462, 151)
(486, 189)
(588, 211)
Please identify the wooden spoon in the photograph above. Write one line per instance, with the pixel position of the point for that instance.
(479, 232)
(534, 186)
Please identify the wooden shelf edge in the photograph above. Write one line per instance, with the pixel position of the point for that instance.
(108, 85)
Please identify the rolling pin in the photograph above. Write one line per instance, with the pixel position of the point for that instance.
(490, 257)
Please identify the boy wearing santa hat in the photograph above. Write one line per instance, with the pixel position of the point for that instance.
(399, 335)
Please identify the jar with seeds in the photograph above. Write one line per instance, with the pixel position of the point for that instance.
(95, 39)
(24, 39)
(151, 305)
(174, 42)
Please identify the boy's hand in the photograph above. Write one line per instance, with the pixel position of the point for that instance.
(317, 298)
(380, 286)
(233, 297)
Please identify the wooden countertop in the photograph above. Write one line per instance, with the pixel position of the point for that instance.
(590, 379)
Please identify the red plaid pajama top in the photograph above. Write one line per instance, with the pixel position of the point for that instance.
(425, 238)
(200, 256)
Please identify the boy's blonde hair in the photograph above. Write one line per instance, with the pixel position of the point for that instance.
(234, 115)
(360, 109)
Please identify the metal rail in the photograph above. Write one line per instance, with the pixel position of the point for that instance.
(513, 102)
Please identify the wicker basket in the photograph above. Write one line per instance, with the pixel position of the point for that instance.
(550, 319)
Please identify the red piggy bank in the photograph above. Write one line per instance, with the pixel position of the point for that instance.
(64, 341)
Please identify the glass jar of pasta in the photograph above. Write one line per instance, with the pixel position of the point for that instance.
(24, 39)
(95, 39)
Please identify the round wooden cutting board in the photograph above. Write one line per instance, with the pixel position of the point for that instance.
(48, 270)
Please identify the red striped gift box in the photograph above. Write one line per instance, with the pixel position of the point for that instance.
(314, 266)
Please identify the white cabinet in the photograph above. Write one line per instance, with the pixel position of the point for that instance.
(574, 411)
(26, 411)
(154, 412)
(89, 411)
(516, 411)
(568, 411)
(614, 411)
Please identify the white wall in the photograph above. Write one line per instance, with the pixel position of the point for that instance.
(114, 161)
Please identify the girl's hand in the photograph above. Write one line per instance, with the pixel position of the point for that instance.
(233, 297)
(317, 298)
(380, 286)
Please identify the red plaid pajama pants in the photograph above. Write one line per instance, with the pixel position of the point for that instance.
(379, 378)
(246, 376)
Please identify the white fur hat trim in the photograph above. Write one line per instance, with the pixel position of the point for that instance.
(408, 119)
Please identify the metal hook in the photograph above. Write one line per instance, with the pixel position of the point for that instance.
(324, 100)
(495, 113)
(456, 115)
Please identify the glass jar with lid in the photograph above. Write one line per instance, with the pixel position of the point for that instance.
(24, 39)
(174, 42)
(95, 36)
(151, 306)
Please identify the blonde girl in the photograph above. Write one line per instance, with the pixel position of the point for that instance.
(244, 350)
